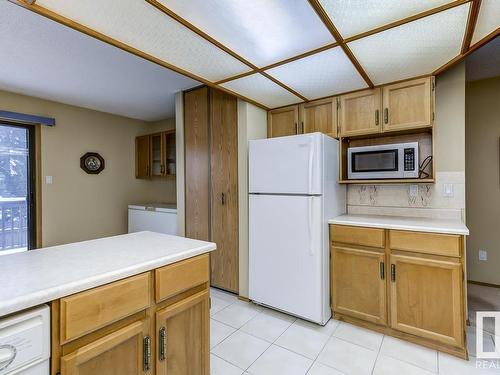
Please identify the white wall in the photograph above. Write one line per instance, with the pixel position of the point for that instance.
(78, 206)
(252, 124)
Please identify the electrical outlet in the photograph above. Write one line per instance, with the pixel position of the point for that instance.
(413, 190)
(48, 180)
(448, 190)
(483, 255)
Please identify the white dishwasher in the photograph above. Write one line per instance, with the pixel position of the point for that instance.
(155, 217)
(25, 342)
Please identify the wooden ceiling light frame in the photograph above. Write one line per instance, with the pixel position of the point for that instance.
(466, 47)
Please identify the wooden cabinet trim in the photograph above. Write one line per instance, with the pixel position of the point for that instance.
(162, 317)
(371, 125)
(181, 276)
(359, 308)
(331, 124)
(70, 362)
(363, 236)
(426, 105)
(427, 243)
(90, 310)
(457, 338)
(288, 128)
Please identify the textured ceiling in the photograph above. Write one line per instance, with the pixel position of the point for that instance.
(44, 59)
(281, 52)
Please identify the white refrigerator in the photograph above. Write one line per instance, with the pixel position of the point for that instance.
(293, 191)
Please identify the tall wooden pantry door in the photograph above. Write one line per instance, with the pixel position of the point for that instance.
(224, 190)
(197, 164)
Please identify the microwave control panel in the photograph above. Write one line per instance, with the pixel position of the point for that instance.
(409, 162)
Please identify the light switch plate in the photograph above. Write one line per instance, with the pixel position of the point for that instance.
(48, 180)
(483, 255)
(448, 190)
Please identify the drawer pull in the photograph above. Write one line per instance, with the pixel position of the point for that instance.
(163, 343)
(393, 272)
(147, 354)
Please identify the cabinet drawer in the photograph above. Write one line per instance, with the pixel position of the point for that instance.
(373, 237)
(179, 277)
(90, 310)
(427, 243)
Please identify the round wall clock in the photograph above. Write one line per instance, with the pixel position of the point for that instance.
(92, 163)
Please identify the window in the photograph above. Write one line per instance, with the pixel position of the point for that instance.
(17, 188)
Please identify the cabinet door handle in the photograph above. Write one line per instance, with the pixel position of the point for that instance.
(146, 354)
(162, 345)
(377, 117)
(386, 115)
(302, 127)
(296, 128)
(393, 272)
(382, 270)
(223, 199)
(147, 170)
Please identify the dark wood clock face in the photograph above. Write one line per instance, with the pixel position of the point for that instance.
(92, 163)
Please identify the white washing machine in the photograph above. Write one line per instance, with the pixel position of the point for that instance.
(25, 343)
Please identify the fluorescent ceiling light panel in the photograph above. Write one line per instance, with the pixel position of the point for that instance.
(326, 73)
(142, 26)
(412, 49)
(262, 90)
(353, 17)
(488, 19)
(261, 31)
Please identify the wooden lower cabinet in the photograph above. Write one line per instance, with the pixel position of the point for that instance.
(416, 294)
(358, 284)
(167, 335)
(183, 337)
(121, 352)
(426, 298)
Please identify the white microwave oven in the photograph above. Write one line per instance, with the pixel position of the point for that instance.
(399, 160)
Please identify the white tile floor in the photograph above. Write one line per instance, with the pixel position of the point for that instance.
(249, 339)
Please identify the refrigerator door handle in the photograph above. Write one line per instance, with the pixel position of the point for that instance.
(311, 163)
(309, 225)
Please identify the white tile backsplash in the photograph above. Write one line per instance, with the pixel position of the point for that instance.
(395, 199)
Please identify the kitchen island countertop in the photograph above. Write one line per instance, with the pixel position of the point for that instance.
(38, 276)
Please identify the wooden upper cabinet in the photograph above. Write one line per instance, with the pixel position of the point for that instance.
(157, 155)
(118, 353)
(319, 116)
(359, 113)
(426, 298)
(142, 157)
(358, 283)
(183, 336)
(283, 121)
(408, 105)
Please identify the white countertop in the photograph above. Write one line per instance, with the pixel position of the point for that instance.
(34, 277)
(416, 224)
